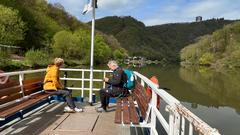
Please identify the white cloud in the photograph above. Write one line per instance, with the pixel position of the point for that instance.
(119, 4)
(187, 11)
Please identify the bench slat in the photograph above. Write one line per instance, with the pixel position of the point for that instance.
(141, 98)
(140, 106)
(10, 91)
(32, 86)
(133, 113)
(32, 90)
(10, 98)
(126, 107)
(33, 81)
(9, 84)
(141, 103)
(118, 112)
(22, 105)
(126, 118)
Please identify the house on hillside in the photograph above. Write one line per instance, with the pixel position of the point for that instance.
(198, 18)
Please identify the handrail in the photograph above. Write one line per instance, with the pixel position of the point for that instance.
(23, 72)
(177, 112)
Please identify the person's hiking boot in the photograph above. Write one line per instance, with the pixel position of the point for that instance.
(78, 109)
(67, 109)
(101, 109)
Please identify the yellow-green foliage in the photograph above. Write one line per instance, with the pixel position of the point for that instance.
(76, 46)
(221, 49)
(37, 58)
(12, 27)
(119, 54)
(206, 59)
(4, 58)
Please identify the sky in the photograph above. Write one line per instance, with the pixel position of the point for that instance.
(156, 12)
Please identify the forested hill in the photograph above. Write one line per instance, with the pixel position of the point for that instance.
(44, 31)
(156, 42)
(218, 50)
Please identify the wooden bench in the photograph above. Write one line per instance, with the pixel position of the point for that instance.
(15, 98)
(130, 112)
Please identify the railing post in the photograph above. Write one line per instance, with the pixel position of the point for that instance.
(171, 118)
(65, 81)
(183, 126)
(190, 129)
(170, 109)
(142, 83)
(104, 75)
(82, 94)
(153, 115)
(91, 86)
(176, 123)
(21, 78)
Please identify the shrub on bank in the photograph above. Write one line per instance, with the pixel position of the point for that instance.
(36, 58)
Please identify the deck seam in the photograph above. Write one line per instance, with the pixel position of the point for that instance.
(95, 123)
(61, 122)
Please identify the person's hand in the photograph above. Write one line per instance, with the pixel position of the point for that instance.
(105, 79)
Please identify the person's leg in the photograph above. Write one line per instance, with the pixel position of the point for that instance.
(68, 96)
(116, 91)
(104, 96)
(107, 100)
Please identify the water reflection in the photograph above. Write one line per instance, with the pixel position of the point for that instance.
(216, 88)
(213, 96)
(198, 86)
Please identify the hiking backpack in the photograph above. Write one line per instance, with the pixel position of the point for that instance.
(130, 80)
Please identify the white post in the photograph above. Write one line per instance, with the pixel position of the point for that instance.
(183, 126)
(171, 120)
(83, 77)
(104, 75)
(176, 123)
(21, 78)
(92, 51)
(153, 114)
(190, 129)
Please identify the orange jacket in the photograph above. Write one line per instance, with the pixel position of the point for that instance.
(51, 80)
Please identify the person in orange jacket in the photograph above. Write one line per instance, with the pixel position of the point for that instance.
(149, 90)
(53, 85)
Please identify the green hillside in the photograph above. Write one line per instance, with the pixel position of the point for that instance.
(156, 42)
(219, 50)
(43, 31)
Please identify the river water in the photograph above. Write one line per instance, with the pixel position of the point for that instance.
(211, 95)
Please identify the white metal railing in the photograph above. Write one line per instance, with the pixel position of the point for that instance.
(83, 78)
(178, 114)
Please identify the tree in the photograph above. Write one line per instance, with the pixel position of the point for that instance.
(119, 54)
(63, 42)
(102, 51)
(71, 45)
(12, 27)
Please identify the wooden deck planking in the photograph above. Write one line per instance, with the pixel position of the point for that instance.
(45, 122)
